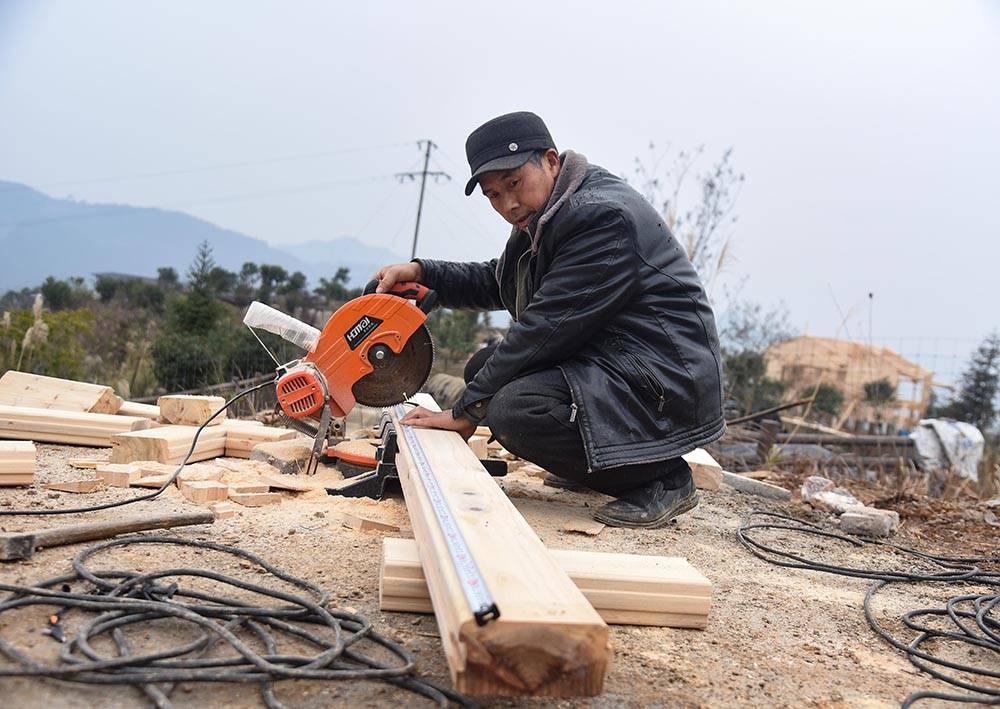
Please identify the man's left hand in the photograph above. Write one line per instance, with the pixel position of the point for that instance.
(424, 418)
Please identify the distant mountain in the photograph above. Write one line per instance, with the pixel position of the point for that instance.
(42, 236)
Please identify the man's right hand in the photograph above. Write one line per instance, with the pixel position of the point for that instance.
(388, 276)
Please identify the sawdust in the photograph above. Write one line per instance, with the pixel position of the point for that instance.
(776, 637)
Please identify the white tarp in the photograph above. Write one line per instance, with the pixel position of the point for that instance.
(944, 444)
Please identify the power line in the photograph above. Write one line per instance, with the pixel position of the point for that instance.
(428, 146)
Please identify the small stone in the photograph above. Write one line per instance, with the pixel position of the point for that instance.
(291, 531)
(815, 484)
(866, 525)
(319, 515)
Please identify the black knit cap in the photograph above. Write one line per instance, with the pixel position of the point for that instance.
(505, 143)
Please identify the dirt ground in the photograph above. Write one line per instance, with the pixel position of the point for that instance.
(776, 637)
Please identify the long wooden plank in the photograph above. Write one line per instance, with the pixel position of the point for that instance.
(40, 392)
(168, 444)
(548, 640)
(58, 426)
(627, 589)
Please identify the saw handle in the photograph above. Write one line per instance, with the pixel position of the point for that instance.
(424, 297)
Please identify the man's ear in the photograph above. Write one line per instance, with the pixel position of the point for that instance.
(551, 161)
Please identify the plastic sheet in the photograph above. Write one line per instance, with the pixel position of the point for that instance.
(285, 326)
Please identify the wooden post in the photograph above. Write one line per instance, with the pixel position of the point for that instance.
(548, 639)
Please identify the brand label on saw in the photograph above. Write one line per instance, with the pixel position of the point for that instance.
(360, 330)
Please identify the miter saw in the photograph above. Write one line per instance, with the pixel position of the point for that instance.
(375, 350)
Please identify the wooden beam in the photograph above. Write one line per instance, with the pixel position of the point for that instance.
(167, 444)
(134, 408)
(705, 470)
(626, 589)
(548, 639)
(189, 410)
(242, 436)
(72, 427)
(39, 392)
(17, 463)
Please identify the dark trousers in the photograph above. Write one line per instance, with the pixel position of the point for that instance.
(530, 416)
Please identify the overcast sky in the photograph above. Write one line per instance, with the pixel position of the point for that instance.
(867, 131)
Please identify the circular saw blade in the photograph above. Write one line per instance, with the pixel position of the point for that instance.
(398, 376)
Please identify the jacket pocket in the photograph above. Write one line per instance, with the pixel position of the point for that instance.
(643, 378)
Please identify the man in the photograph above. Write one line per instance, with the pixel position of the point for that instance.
(610, 369)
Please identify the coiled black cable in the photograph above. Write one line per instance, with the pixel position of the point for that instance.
(127, 600)
(975, 617)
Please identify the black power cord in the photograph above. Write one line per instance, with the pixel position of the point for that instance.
(148, 496)
(975, 617)
(127, 600)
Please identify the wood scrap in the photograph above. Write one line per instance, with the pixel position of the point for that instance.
(204, 491)
(705, 470)
(256, 499)
(290, 457)
(40, 392)
(167, 444)
(627, 589)
(17, 463)
(478, 446)
(292, 483)
(244, 488)
(583, 525)
(69, 427)
(548, 640)
(85, 463)
(80, 486)
(223, 509)
(190, 410)
(118, 474)
(366, 524)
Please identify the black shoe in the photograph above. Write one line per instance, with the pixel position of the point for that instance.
(553, 480)
(649, 506)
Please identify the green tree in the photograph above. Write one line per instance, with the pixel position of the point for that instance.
(335, 289)
(168, 279)
(829, 399)
(200, 272)
(246, 284)
(455, 332)
(747, 383)
(976, 402)
(271, 279)
(58, 294)
(879, 392)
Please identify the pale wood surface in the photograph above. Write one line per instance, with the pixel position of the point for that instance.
(133, 408)
(37, 391)
(242, 436)
(58, 426)
(624, 588)
(167, 444)
(190, 410)
(549, 640)
(707, 473)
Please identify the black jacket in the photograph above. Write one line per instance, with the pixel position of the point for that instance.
(618, 308)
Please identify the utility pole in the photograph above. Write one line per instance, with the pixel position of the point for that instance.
(427, 145)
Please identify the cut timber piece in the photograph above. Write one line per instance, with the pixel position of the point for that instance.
(17, 463)
(707, 473)
(187, 410)
(364, 524)
(118, 474)
(627, 589)
(242, 436)
(167, 444)
(85, 463)
(245, 488)
(154, 481)
(83, 486)
(146, 411)
(548, 640)
(291, 483)
(203, 491)
(256, 499)
(36, 391)
(478, 446)
(55, 426)
(223, 509)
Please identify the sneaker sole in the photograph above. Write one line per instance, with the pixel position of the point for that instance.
(686, 506)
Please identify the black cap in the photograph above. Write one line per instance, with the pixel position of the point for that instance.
(504, 143)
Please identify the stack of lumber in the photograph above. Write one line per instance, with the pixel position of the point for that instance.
(548, 640)
(626, 589)
(167, 444)
(38, 392)
(57, 426)
(17, 463)
(187, 410)
(242, 436)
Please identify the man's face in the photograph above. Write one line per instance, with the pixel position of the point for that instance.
(519, 194)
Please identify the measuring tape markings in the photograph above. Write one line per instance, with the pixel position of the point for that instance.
(473, 583)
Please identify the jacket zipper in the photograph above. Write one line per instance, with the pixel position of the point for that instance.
(572, 413)
(648, 379)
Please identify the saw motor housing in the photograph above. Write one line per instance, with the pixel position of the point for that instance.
(364, 334)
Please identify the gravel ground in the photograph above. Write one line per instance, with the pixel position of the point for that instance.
(776, 637)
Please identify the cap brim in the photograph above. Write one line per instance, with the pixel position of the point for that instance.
(507, 162)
